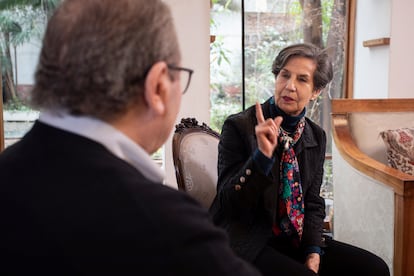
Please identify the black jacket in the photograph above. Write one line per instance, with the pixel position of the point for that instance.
(246, 199)
(68, 206)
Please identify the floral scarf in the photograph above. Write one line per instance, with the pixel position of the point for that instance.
(291, 207)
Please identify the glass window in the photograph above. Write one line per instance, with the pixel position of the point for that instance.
(22, 28)
(225, 61)
(248, 36)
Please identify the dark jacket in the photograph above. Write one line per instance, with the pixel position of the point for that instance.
(246, 199)
(68, 206)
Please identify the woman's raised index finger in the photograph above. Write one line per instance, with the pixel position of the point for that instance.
(259, 113)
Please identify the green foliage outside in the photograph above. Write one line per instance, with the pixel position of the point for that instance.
(21, 21)
(259, 81)
(226, 92)
(16, 105)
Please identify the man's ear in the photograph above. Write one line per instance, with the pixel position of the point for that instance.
(157, 85)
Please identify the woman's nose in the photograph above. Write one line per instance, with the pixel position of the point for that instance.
(290, 84)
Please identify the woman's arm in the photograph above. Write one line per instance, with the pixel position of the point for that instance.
(314, 203)
(240, 181)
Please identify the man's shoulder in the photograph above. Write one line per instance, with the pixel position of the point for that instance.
(176, 208)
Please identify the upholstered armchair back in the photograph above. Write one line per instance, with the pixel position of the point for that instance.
(195, 153)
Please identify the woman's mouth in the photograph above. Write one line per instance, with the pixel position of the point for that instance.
(288, 99)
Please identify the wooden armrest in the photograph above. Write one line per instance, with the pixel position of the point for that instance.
(362, 162)
(401, 183)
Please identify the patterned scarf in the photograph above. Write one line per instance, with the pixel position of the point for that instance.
(290, 206)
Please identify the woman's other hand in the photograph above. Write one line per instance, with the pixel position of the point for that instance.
(312, 262)
(267, 132)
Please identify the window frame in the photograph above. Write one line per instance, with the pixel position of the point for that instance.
(350, 50)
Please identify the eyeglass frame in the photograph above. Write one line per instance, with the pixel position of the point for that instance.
(188, 70)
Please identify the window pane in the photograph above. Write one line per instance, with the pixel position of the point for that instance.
(23, 28)
(225, 61)
(20, 50)
(269, 26)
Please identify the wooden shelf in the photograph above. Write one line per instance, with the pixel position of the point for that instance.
(376, 42)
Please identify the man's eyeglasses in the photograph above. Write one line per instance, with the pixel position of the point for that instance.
(185, 78)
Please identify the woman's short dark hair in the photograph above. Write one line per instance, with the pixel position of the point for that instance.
(96, 54)
(323, 72)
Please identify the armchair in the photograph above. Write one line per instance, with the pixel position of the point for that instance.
(195, 152)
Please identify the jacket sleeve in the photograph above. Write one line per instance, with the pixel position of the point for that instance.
(314, 203)
(198, 247)
(240, 181)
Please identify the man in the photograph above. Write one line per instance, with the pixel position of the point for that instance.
(79, 193)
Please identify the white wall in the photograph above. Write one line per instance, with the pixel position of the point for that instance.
(373, 19)
(192, 21)
(401, 49)
(384, 71)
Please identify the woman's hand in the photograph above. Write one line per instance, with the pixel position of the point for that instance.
(267, 132)
(312, 262)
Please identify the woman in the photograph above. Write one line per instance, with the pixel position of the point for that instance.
(270, 172)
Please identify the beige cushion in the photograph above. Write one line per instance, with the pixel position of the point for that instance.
(366, 126)
(198, 154)
(400, 148)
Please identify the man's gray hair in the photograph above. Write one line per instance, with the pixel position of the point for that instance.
(96, 54)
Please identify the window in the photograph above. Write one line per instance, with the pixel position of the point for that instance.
(249, 34)
(242, 75)
(22, 28)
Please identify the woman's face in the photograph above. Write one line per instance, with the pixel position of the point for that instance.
(294, 86)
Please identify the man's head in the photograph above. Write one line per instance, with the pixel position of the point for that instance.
(97, 54)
